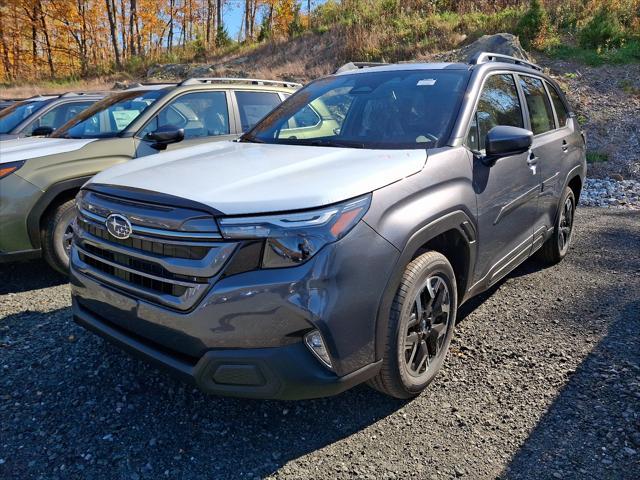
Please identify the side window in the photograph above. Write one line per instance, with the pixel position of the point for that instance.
(540, 112)
(201, 114)
(255, 105)
(58, 116)
(498, 105)
(558, 104)
(305, 118)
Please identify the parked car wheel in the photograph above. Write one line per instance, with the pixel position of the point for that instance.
(557, 246)
(420, 327)
(57, 235)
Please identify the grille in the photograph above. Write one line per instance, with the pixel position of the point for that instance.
(158, 247)
(133, 278)
(169, 267)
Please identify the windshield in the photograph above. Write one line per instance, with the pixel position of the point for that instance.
(108, 117)
(16, 113)
(385, 109)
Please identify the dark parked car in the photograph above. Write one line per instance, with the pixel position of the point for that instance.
(291, 265)
(4, 104)
(42, 115)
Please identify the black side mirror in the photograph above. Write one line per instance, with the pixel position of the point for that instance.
(42, 131)
(165, 135)
(503, 141)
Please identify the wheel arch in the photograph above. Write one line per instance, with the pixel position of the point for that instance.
(454, 236)
(575, 184)
(54, 195)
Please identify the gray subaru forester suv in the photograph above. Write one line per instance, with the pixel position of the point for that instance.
(300, 261)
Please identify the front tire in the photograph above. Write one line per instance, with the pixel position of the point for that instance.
(557, 246)
(57, 234)
(420, 327)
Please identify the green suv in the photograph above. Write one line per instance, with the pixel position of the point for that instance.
(39, 177)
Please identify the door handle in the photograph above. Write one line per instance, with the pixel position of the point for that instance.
(565, 147)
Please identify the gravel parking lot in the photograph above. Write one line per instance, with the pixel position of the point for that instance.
(543, 381)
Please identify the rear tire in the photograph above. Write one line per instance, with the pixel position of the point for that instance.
(557, 246)
(56, 236)
(420, 327)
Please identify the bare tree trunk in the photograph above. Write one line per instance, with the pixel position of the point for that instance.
(247, 15)
(81, 38)
(132, 22)
(47, 40)
(111, 13)
(6, 63)
(138, 36)
(33, 18)
(123, 23)
(219, 19)
(170, 35)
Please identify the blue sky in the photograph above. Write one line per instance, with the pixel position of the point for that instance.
(233, 16)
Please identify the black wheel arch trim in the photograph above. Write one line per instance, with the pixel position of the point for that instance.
(456, 220)
(576, 172)
(44, 202)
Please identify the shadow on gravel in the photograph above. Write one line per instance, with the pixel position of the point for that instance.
(76, 400)
(26, 276)
(528, 267)
(579, 436)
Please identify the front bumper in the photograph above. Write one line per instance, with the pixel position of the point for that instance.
(249, 326)
(17, 198)
(285, 373)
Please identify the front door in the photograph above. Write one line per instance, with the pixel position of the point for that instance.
(204, 116)
(507, 191)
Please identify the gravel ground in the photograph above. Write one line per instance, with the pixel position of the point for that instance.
(543, 381)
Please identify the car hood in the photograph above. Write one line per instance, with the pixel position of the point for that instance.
(245, 178)
(26, 148)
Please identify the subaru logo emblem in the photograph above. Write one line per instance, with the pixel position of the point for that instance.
(119, 226)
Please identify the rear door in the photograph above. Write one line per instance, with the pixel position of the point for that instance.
(548, 150)
(253, 105)
(204, 116)
(507, 191)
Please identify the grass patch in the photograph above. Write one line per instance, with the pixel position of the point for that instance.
(627, 53)
(597, 157)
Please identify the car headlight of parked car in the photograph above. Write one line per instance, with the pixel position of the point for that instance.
(293, 238)
(8, 168)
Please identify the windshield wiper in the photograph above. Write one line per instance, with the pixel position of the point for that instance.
(333, 143)
(248, 139)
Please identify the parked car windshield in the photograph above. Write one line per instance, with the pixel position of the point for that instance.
(383, 109)
(110, 116)
(15, 114)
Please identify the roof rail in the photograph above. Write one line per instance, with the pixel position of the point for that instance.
(357, 66)
(149, 84)
(78, 94)
(484, 57)
(250, 81)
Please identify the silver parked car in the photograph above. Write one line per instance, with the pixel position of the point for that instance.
(294, 265)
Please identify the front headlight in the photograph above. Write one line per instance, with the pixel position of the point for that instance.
(293, 238)
(7, 169)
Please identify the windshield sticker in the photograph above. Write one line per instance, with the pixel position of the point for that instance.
(427, 82)
(124, 117)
